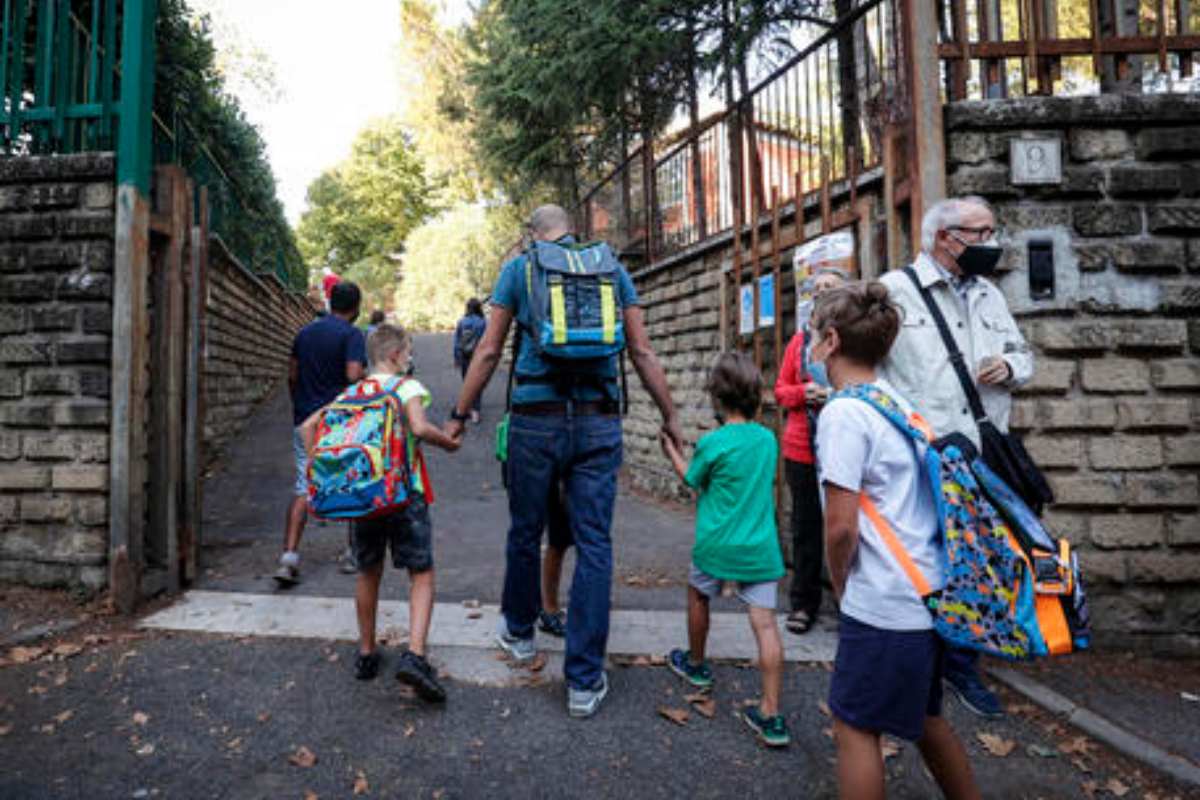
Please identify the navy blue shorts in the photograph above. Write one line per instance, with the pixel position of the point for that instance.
(886, 681)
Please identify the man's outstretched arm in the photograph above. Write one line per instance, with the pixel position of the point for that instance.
(483, 365)
(648, 368)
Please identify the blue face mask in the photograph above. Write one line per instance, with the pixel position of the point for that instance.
(818, 374)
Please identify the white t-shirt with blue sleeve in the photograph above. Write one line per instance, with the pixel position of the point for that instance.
(860, 450)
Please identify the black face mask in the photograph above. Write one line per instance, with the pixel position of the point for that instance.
(979, 259)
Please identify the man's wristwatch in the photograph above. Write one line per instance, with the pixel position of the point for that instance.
(457, 417)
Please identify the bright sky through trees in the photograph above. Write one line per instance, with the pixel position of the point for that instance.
(336, 69)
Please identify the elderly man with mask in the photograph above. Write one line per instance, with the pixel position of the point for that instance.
(958, 252)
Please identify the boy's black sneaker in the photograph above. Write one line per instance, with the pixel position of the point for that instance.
(554, 624)
(418, 673)
(366, 666)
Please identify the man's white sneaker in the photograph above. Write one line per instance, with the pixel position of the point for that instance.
(519, 650)
(582, 703)
(287, 575)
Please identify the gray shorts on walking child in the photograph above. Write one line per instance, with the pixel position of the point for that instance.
(759, 595)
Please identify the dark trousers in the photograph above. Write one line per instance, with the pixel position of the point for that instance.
(464, 366)
(961, 663)
(584, 453)
(808, 537)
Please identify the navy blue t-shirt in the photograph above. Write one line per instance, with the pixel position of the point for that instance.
(322, 349)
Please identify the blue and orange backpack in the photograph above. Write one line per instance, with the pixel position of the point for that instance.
(360, 465)
(1011, 590)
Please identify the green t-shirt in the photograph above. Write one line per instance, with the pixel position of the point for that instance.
(733, 468)
(407, 391)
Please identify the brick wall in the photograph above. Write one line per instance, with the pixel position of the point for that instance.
(251, 322)
(56, 251)
(1113, 413)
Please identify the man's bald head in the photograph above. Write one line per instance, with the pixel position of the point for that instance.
(549, 222)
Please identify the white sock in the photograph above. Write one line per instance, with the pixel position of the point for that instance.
(290, 558)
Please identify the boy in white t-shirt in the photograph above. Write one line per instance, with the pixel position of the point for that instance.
(408, 533)
(887, 676)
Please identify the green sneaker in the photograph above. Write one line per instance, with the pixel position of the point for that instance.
(699, 676)
(771, 731)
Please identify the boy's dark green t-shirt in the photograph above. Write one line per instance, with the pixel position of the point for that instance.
(733, 468)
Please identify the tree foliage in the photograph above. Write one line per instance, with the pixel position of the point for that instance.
(212, 139)
(562, 87)
(450, 259)
(366, 206)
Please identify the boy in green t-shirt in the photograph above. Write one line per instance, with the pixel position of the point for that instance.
(733, 469)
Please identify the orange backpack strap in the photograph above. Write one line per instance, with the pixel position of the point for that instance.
(893, 544)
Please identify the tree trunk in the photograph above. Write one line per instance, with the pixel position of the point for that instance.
(851, 135)
(699, 204)
(1120, 74)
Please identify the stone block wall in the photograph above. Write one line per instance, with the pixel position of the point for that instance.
(251, 321)
(1113, 412)
(56, 254)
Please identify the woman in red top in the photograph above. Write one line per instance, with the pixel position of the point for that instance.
(802, 397)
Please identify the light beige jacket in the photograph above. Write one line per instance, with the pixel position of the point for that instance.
(919, 366)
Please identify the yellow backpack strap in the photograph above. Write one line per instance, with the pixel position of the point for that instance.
(608, 312)
(893, 544)
(558, 313)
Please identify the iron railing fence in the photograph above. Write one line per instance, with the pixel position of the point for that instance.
(60, 92)
(59, 76)
(1003, 48)
(820, 116)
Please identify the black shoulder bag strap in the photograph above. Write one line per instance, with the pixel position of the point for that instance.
(956, 356)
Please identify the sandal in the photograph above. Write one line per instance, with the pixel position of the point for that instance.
(799, 622)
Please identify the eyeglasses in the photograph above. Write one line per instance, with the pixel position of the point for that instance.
(980, 234)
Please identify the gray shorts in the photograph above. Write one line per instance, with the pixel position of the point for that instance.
(301, 454)
(759, 595)
(408, 533)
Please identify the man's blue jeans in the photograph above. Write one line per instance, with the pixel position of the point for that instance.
(584, 452)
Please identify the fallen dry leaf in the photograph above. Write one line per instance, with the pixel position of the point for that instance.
(706, 707)
(360, 784)
(658, 661)
(146, 750)
(92, 667)
(93, 639)
(438, 794)
(140, 718)
(264, 716)
(234, 744)
(309, 795)
(677, 715)
(303, 757)
(828, 731)
(409, 730)
(1076, 746)
(824, 708)
(470, 603)
(23, 655)
(68, 649)
(474, 614)
(1116, 787)
(64, 716)
(61, 679)
(538, 663)
(37, 689)
(1090, 788)
(996, 745)
(1081, 765)
(332, 657)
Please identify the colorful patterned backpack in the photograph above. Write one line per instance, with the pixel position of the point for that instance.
(360, 466)
(1011, 590)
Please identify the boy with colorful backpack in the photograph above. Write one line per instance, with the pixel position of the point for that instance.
(733, 469)
(366, 465)
(878, 494)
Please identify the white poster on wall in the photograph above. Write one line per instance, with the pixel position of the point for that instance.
(746, 310)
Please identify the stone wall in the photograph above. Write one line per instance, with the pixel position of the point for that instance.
(1113, 412)
(56, 252)
(57, 223)
(251, 321)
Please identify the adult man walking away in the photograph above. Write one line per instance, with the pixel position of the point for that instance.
(958, 251)
(565, 426)
(327, 356)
